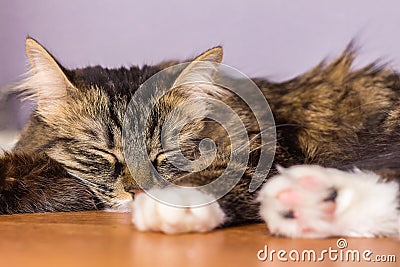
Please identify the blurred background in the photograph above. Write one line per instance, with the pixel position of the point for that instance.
(276, 39)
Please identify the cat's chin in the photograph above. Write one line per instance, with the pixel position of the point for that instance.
(123, 205)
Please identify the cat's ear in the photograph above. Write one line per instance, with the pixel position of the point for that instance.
(202, 68)
(214, 54)
(46, 82)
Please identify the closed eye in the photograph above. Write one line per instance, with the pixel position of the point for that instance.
(118, 168)
(162, 156)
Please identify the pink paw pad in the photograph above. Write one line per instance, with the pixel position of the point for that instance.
(310, 182)
(329, 211)
(288, 197)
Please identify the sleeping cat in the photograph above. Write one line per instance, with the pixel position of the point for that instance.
(335, 170)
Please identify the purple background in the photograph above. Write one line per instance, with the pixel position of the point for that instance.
(276, 38)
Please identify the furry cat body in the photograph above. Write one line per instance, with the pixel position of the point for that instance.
(332, 116)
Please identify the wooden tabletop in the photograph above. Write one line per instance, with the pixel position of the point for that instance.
(108, 239)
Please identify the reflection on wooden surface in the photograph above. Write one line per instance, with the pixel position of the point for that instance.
(108, 239)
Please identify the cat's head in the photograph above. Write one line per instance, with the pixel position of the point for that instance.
(79, 117)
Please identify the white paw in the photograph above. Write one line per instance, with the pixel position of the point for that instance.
(150, 214)
(312, 201)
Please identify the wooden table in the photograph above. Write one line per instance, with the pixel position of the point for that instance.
(108, 239)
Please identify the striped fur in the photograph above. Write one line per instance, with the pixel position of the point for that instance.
(332, 115)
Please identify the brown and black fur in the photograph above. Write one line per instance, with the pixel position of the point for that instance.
(71, 149)
(27, 183)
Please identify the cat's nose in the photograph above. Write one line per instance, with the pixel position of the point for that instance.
(133, 190)
(128, 182)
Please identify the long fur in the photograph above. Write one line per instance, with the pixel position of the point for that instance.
(332, 115)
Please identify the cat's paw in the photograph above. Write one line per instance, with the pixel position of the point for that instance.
(149, 214)
(312, 201)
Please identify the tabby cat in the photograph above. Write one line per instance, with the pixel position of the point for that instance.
(335, 172)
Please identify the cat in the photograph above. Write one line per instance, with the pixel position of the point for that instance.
(335, 170)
